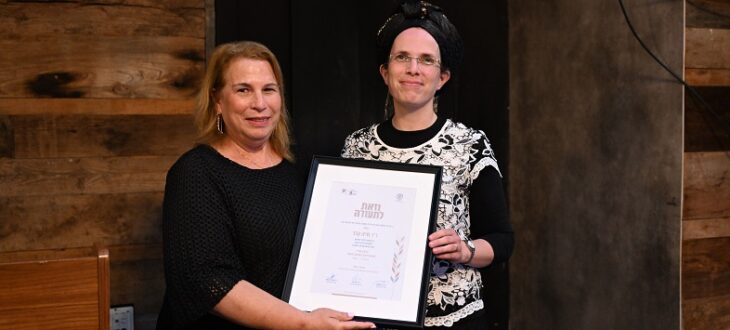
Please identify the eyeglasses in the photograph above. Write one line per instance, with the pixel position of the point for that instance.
(425, 60)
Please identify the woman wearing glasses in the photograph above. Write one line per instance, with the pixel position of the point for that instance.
(419, 50)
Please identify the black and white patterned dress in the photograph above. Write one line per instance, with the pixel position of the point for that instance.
(463, 152)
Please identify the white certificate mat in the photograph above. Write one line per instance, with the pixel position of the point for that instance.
(362, 242)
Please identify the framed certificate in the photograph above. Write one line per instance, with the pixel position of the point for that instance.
(362, 242)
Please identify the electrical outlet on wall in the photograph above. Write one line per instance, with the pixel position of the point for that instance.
(122, 317)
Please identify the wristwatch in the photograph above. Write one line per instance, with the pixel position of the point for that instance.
(472, 248)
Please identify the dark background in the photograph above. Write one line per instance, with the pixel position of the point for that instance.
(327, 52)
(596, 194)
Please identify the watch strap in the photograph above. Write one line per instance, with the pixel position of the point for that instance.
(472, 249)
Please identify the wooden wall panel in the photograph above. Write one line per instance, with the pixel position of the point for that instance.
(707, 77)
(39, 136)
(25, 106)
(61, 221)
(706, 235)
(706, 185)
(7, 140)
(94, 67)
(66, 287)
(95, 104)
(707, 63)
(707, 48)
(169, 4)
(29, 19)
(705, 228)
(72, 295)
(708, 43)
(56, 176)
(706, 209)
(703, 130)
(97, 50)
(708, 14)
(706, 313)
(706, 268)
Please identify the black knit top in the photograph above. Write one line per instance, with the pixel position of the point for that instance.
(223, 223)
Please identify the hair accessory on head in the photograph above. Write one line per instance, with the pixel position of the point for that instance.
(421, 14)
(417, 9)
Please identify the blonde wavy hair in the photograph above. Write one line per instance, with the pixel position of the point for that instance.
(205, 112)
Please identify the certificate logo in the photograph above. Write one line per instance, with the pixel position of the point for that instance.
(349, 192)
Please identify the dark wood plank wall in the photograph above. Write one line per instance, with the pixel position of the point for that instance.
(95, 104)
(706, 208)
(707, 68)
(708, 43)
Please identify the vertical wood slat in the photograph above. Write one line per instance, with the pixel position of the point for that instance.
(104, 280)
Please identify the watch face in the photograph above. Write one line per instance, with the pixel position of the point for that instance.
(470, 243)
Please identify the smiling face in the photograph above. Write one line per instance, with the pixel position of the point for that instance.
(413, 85)
(250, 101)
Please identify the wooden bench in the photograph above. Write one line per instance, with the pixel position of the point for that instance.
(55, 289)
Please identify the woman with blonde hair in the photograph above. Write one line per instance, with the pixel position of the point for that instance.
(232, 204)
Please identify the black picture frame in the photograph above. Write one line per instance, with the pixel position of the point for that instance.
(335, 183)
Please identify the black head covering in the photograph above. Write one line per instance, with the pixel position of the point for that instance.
(429, 17)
